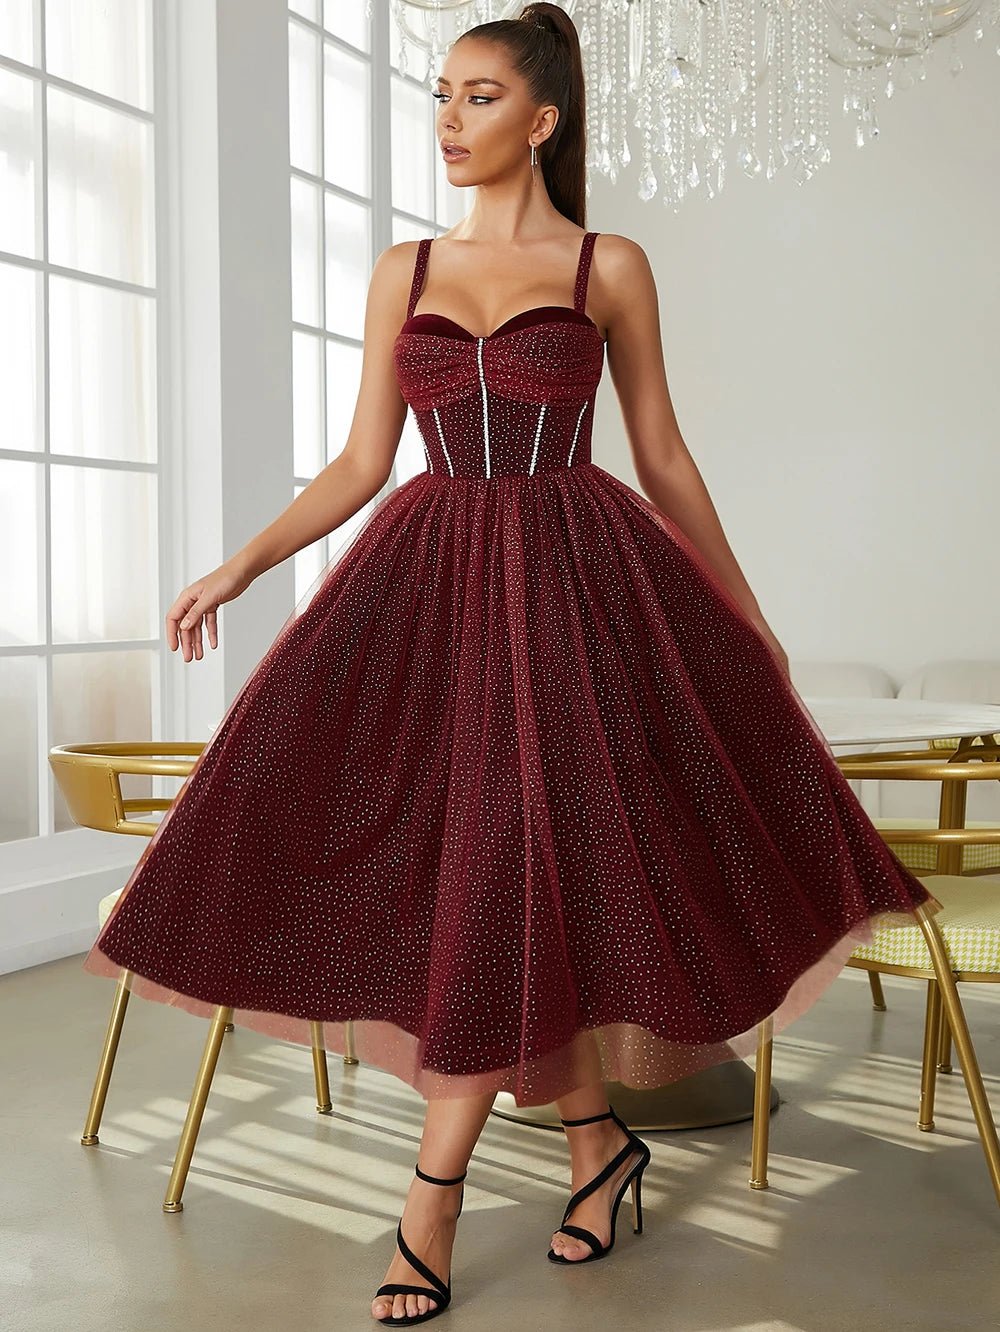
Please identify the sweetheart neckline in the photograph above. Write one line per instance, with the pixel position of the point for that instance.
(485, 337)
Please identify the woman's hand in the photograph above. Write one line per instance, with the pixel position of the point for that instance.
(201, 600)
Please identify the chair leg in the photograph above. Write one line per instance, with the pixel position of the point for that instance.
(761, 1104)
(323, 1103)
(196, 1109)
(875, 985)
(349, 1056)
(955, 1017)
(944, 1064)
(928, 1072)
(107, 1061)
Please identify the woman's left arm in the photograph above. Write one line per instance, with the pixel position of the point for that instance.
(622, 283)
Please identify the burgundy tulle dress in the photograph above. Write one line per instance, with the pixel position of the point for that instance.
(517, 790)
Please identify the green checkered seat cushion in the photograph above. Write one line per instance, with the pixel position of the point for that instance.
(969, 924)
(922, 856)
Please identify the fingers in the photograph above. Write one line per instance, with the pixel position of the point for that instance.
(190, 627)
(197, 605)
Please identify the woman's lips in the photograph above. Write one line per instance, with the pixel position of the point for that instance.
(454, 154)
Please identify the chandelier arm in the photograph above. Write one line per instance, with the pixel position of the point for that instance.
(852, 33)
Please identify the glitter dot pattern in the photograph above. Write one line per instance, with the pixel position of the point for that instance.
(517, 790)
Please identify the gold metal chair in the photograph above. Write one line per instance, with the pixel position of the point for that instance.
(926, 847)
(89, 776)
(960, 943)
(924, 857)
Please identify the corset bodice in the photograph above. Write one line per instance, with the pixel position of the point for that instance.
(519, 400)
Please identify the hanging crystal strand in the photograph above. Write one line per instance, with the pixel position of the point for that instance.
(666, 145)
(742, 60)
(617, 131)
(720, 108)
(587, 39)
(641, 49)
(871, 111)
(797, 137)
(777, 158)
(706, 123)
(823, 67)
(625, 88)
(604, 91)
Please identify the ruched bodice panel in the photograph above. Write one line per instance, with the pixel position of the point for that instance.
(518, 400)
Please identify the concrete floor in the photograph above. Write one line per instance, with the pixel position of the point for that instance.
(290, 1216)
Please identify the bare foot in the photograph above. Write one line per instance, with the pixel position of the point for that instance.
(592, 1146)
(429, 1221)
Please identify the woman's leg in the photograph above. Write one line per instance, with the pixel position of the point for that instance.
(591, 1147)
(452, 1126)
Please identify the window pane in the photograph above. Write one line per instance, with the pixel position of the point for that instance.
(348, 265)
(304, 55)
(102, 44)
(307, 8)
(103, 554)
(17, 37)
(20, 138)
(100, 189)
(413, 143)
(307, 213)
(19, 697)
(20, 357)
(343, 382)
(307, 407)
(347, 19)
(346, 120)
(21, 618)
(99, 696)
(102, 371)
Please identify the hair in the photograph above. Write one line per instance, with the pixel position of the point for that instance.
(544, 48)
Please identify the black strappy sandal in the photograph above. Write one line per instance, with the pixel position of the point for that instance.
(441, 1290)
(634, 1177)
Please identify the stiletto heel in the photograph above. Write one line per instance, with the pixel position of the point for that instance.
(634, 1177)
(441, 1290)
(637, 1204)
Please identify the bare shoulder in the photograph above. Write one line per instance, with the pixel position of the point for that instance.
(391, 276)
(618, 259)
(396, 261)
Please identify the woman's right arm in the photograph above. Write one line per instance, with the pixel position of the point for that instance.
(342, 488)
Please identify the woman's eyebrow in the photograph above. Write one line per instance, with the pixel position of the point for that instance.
(471, 83)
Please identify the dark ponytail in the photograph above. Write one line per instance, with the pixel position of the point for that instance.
(544, 48)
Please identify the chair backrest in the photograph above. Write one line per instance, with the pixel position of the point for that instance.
(955, 772)
(89, 777)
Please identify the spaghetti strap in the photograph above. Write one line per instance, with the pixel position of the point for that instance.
(583, 271)
(419, 270)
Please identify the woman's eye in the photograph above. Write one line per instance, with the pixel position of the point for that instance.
(476, 97)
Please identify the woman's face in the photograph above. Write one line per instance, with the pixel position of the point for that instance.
(484, 108)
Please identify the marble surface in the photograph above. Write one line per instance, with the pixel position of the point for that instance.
(858, 721)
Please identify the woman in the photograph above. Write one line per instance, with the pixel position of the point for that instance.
(522, 788)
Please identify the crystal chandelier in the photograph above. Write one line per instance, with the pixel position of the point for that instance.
(691, 75)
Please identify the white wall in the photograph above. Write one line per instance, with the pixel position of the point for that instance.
(830, 350)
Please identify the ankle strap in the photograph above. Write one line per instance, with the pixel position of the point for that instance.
(591, 1119)
(432, 1179)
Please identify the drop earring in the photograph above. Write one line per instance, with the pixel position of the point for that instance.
(534, 159)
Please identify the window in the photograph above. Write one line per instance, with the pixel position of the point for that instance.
(365, 174)
(80, 645)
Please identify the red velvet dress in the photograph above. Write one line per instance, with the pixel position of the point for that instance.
(517, 789)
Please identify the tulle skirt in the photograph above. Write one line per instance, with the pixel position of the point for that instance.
(520, 793)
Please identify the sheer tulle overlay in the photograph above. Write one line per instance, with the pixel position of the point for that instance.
(517, 790)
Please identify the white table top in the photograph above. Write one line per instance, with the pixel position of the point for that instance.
(861, 721)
